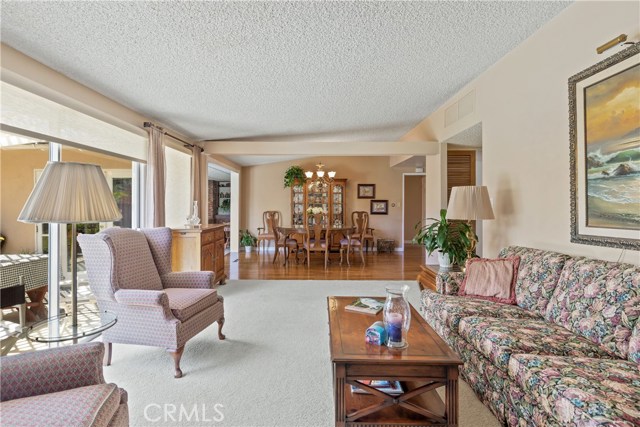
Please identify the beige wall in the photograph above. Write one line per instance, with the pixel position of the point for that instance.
(262, 189)
(17, 172)
(414, 204)
(522, 102)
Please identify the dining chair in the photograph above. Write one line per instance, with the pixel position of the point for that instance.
(316, 243)
(362, 233)
(266, 233)
(355, 240)
(282, 241)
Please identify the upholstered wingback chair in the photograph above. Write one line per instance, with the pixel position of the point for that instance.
(60, 387)
(130, 275)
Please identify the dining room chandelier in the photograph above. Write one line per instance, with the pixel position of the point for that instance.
(322, 180)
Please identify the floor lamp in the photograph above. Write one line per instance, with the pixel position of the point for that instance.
(470, 203)
(71, 193)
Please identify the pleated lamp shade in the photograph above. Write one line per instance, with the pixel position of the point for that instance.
(70, 193)
(470, 203)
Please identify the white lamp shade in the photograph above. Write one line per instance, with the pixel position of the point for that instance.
(308, 174)
(69, 193)
(332, 174)
(470, 203)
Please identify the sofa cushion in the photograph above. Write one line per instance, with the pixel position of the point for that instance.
(523, 411)
(185, 302)
(634, 344)
(598, 300)
(135, 268)
(450, 309)
(92, 405)
(581, 391)
(498, 339)
(538, 275)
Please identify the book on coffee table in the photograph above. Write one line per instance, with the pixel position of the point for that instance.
(389, 387)
(365, 305)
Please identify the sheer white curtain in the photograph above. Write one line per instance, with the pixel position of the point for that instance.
(155, 189)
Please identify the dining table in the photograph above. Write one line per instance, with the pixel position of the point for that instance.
(290, 231)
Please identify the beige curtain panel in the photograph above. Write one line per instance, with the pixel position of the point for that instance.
(155, 194)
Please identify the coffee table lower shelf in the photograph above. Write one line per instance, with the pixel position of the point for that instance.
(395, 415)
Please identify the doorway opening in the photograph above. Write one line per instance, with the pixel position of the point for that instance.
(413, 204)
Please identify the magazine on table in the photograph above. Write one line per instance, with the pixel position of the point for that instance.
(389, 387)
(365, 305)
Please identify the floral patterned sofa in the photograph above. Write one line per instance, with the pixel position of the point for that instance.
(568, 354)
(60, 387)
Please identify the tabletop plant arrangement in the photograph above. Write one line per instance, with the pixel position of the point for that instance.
(448, 238)
(315, 210)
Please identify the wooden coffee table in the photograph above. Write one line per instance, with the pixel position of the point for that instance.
(425, 365)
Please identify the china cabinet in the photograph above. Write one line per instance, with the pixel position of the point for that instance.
(331, 198)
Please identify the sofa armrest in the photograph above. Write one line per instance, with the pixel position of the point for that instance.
(51, 370)
(449, 282)
(189, 279)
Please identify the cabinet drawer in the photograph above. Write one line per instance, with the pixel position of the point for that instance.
(218, 234)
(207, 237)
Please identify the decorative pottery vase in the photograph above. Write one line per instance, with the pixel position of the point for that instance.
(397, 316)
(443, 260)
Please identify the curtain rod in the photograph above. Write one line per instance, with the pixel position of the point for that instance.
(149, 125)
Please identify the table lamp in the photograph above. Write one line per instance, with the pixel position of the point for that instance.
(71, 193)
(470, 203)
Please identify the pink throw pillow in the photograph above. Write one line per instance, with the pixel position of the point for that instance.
(491, 279)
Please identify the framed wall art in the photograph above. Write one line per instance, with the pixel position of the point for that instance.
(379, 207)
(604, 120)
(366, 191)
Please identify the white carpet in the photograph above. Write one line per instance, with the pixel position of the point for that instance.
(273, 369)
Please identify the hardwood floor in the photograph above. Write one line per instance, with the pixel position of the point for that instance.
(379, 266)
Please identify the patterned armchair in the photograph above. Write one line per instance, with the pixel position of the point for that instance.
(60, 387)
(130, 275)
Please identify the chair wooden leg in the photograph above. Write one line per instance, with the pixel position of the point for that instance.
(177, 355)
(106, 361)
(361, 255)
(220, 325)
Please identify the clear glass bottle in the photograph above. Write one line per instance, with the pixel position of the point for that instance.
(194, 219)
(397, 316)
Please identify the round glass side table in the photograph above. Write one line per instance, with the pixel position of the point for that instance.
(60, 328)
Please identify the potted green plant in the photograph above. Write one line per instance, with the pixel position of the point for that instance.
(225, 205)
(292, 175)
(448, 238)
(247, 240)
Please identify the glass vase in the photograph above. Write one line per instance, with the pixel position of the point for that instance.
(397, 316)
(194, 219)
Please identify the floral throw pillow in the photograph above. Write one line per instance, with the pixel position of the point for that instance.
(491, 279)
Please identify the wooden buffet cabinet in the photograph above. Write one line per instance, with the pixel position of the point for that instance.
(196, 249)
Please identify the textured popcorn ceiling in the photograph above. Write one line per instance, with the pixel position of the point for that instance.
(275, 70)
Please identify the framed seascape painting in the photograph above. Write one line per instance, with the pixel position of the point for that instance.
(604, 117)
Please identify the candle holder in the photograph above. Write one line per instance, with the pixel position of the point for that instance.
(397, 316)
